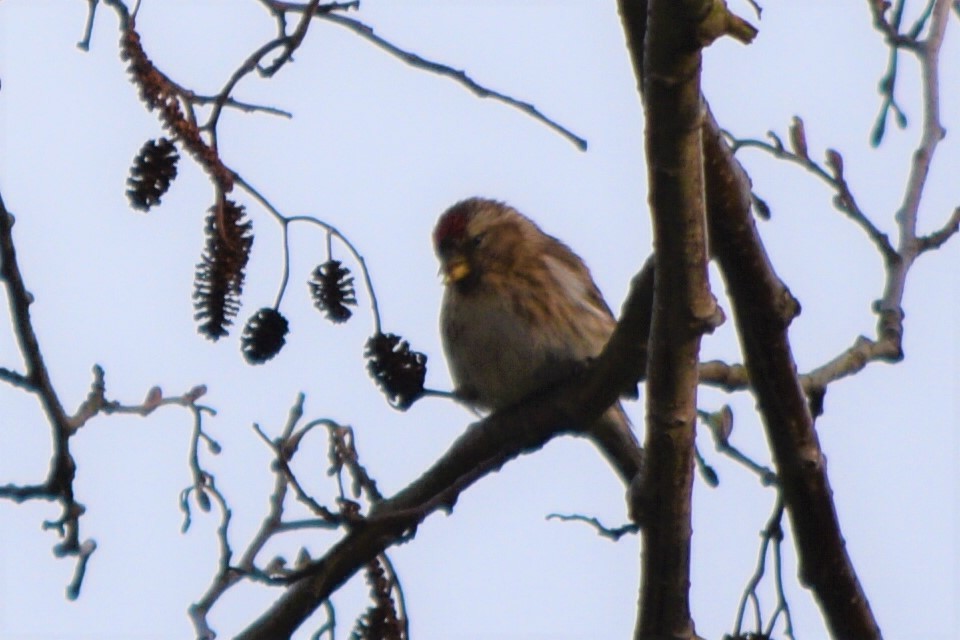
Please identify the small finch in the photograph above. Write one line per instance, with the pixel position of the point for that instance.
(520, 312)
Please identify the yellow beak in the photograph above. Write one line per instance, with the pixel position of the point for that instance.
(455, 269)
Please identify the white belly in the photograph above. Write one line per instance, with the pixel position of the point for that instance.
(495, 356)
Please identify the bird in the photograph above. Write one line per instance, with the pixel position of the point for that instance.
(520, 312)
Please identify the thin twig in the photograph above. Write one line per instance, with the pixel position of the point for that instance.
(936, 239)
(58, 485)
(16, 379)
(613, 533)
(367, 32)
(419, 62)
(844, 199)
(84, 43)
(276, 573)
(329, 627)
(331, 230)
(772, 532)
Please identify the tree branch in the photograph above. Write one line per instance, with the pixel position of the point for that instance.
(683, 307)
(844, 199)
(58, 485)
(763, 309)
(367, 33)
(485, 447)
(63, 467)
(936, 239)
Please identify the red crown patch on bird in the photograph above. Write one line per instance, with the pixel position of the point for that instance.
(453, 223)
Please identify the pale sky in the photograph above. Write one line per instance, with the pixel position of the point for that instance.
(379, 150)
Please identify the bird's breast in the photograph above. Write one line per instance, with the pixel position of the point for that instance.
(497, 352)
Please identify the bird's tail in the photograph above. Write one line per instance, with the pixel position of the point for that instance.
(613, 435)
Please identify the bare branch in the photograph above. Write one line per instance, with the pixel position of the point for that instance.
(936, 239)
(887, 347)
(764, 309)
(59, 483)
(721, 440)
(614, 534)
(844, 199)
(252, 63)
(292, 42)
(851, 361)
(16, 379)
(933, 131)
(772, 533)
(367, 33)
(485, 447)
(233, 103)
(665, 49)
(84, 43)
(226, 575)
(277, 572)
(729, 377)
(36, 375)
(22, 493)
(888, 82)
(889, 307)
(58, 486)
(459, 76)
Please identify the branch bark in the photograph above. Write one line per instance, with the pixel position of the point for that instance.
(485, 447)
(62, 467)
(683, 306)
(763, 309)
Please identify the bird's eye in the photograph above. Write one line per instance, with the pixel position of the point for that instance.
(477, 239)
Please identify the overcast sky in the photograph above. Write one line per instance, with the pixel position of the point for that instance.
(379, 150)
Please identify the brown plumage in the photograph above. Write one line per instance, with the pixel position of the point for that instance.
(520, 312)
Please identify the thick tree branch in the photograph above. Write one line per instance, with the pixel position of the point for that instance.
(763, 309)
(683, 306)
(485, 447)
(664, 43)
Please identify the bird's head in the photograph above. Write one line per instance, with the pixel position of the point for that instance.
(478, 237)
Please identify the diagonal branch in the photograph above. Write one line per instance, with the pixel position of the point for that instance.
(59, 483)
(58, 486)
(37, 375)
(16, 379)
(887, 345)
(936, 239)
(485, 447)
(763, 309)
(366, 32)
(844, 199)
(288, 44)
